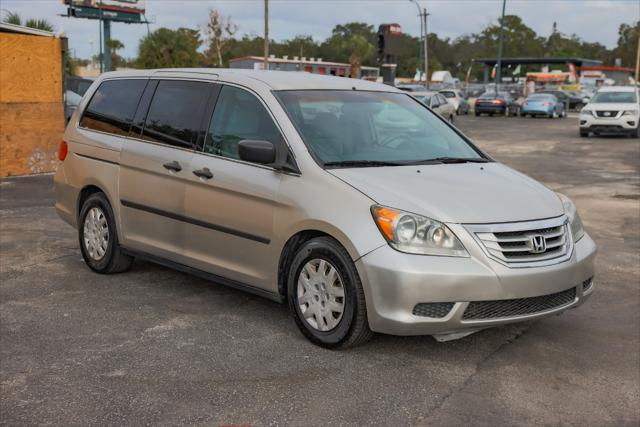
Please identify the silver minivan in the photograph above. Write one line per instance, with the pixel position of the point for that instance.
(350, 201)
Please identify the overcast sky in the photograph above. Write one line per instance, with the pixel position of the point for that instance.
(593, 20)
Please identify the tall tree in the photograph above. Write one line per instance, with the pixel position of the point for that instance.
(218, 32)
(115, 45)
(166, 48)
(627, 44)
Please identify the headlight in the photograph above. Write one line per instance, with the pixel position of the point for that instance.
(586, 112)
(630, 113)
(415, 234)
(574, 218)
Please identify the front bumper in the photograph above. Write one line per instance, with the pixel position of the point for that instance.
(395, 283)
(622, 124)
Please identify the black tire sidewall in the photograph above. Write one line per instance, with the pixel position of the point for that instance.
(324, 249)
(100, 201)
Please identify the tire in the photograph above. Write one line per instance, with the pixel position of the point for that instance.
(490, 114)
(102, 256)
(477, 114)
(584, 133)
(451, 119)
(636, 134)
(352, 326)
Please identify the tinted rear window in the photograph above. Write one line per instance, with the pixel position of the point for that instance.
(113, 106)
(176, 112)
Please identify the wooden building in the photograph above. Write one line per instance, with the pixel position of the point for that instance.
(31, 100)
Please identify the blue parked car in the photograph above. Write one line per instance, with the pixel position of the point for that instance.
(543, 104)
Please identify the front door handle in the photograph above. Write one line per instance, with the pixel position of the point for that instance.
(203, 173)
(173, 166)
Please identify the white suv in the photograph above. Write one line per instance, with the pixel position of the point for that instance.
(612, 109)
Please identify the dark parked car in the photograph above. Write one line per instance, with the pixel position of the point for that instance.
(572, 101)
(501, 103)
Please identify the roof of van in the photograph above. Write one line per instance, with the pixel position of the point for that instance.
(617, 89)
(276, 80)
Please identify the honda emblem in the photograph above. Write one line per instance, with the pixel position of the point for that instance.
(537, 244)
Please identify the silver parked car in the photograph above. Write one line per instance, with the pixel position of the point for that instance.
(437, 102)
(457, 99)
(348, 200)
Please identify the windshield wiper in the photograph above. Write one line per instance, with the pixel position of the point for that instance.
(363, 163)
(455, 160)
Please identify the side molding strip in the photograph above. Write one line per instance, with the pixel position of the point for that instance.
(194, 221)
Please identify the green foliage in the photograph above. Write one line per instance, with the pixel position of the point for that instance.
(165, 48)
(356, 43)
(628, 39)
(38, 24)
(12, 18)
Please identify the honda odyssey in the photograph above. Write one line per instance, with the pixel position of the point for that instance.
(350, 201)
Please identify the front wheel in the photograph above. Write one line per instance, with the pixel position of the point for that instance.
(99, 239)
(325, 295)
(584, 133)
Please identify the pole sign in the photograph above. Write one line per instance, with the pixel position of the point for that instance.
(128, 11)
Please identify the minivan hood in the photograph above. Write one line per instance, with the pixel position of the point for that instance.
(467, 193)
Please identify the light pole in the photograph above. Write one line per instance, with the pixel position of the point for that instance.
(500, 43)
(421, 36)
(266, 35)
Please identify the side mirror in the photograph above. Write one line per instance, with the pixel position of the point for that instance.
(257, 151)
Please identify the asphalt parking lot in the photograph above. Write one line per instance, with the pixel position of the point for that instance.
(155, 346)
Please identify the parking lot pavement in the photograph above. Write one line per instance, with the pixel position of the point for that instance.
(156, 346)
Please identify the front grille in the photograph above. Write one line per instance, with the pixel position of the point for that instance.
(486, 310)
(520, 243)
(586, 285)
(608, 113)
(436, 310)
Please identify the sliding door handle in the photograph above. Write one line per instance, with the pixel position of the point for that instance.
(173, 166)
(204, 173)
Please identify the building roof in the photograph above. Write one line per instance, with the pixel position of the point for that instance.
(540, 60)
(19, 29)
(275, 80)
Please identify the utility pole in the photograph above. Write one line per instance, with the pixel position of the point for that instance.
(421, 36)
(426, 48)
(638, 62)
(266, 35)
(500, 42)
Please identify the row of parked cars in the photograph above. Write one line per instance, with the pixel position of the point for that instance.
(547, 103)
(612, 109)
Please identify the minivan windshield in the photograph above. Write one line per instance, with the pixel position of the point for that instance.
(360, 128)
(614, 97)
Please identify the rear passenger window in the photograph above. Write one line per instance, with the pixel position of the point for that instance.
(176, 112)
(238, 115)
(113, 106)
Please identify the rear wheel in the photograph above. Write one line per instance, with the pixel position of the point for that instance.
(98, 237)
(326, 297)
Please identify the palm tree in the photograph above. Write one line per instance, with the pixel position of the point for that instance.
(38, 24)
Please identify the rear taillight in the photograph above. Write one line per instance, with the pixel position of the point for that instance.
(63, 150)
(497, 101)
(548, 104)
